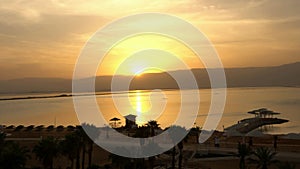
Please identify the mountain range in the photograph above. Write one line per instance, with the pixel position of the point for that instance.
(283, 75)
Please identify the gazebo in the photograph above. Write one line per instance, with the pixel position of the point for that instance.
(130, 121)
(263, 113)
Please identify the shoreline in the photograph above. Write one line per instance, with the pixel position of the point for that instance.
(107, 92)
(59, 128)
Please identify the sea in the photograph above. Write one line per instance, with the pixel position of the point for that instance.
(164, 106)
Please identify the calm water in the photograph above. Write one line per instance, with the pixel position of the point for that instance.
(239, 101)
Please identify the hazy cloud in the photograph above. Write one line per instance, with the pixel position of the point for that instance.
(50, 34)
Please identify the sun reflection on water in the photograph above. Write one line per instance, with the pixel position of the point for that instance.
(141, 104)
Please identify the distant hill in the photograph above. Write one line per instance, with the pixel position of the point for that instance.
(35, 85)
(284, 75)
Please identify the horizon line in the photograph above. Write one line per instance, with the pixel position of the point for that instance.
(128, 75)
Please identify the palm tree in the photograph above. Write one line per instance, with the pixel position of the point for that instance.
(120, 162)
(142, 132)
(173, 157)
(176, 131)
(69, 147)
(286, 165)
(94, 167)
(152, 125)
(86, 143)
(243, 152)
(195, 131)
(83, 141)
(46, 150)
(13, 156)
(2, 141)
(263, 157)
(180, 147)
(93, 133)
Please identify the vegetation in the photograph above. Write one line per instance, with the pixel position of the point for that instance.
(120, 162)
(195, 131)
(46, 151)
(243, 152)
(86, 143)
(175, 133)
(2, 140)
(93, 133)
(77, 146)
(13, 156)
(264, 157)
(286, 165)
(69, 147)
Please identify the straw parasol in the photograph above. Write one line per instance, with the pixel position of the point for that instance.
(115, 119)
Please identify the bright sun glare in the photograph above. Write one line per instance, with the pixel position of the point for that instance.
(138, 74)
(132, 45)
(147, 71)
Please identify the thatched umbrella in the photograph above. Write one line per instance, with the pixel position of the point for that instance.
(115, 119)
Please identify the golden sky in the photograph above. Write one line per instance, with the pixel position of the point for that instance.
(44, 38)
(147, 45)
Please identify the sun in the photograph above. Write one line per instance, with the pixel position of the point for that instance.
(138, 74)
(133, 54)
(148, 70)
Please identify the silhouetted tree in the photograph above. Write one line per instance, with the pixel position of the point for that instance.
(69, 147)
(2, 140)
(94, 167)
(142, 133)
(93, 133)
(12, 156)
(195, 131)
(286, 165)
(243, 152)
(180, 147)
(175, 132)
(86, 143)
(82, 149)
(46, 150)
(152, 125)
(119, 162)
(263, 157)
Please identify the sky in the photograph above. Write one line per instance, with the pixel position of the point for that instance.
(44, 38)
